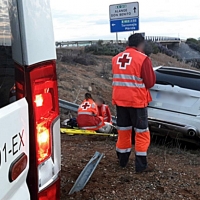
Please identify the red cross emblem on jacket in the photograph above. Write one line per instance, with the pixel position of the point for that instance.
(124, 61)
(86, 105)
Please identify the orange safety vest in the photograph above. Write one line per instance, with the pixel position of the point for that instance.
(88, 107)
(128, 86)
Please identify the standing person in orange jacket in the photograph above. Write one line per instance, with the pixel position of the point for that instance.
(88, 115)
(104, 110)
(133, 76)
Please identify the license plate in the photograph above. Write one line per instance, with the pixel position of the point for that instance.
(170, 97)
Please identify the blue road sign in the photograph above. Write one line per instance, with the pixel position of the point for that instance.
(127, 24)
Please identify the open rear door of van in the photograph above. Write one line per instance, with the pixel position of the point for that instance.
(34, 54)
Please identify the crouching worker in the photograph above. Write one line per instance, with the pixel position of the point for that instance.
(104, 110)
(88, 118)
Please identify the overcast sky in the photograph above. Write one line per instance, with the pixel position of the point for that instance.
(89, 19)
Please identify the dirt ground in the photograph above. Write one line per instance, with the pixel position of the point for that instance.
(176, 175)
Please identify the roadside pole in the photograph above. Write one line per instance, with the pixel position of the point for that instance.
(116, 37)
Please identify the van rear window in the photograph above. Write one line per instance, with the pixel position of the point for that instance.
(188, 79)
(7, 72)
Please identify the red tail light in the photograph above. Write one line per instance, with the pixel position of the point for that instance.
(41, 93)
(43, 85)
(38, 83)
(43, 142)
(52, 192)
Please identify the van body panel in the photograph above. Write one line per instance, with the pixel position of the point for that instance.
(31, 24)
(14, 141)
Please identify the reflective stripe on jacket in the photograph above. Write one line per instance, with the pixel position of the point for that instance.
(128, 86)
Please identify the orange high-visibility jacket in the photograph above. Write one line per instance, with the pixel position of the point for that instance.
(128, 86)
(104, 111)
(88, 116)
(88, 107)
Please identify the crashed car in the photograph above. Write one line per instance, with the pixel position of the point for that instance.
(175, 109)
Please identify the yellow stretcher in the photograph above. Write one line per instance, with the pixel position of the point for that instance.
(70, 131)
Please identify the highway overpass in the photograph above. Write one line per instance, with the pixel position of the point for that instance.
(159, 39)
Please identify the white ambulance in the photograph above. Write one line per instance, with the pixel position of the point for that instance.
(30, 126)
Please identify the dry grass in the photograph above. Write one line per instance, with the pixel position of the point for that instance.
(162, 59)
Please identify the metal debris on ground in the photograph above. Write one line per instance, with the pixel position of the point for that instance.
(86, 173)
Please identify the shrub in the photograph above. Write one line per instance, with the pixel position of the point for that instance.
(168, 52)
(192, 40)
(100, 42)
(151, 47)
(85, 60)
(91, 48)
(193, 43)
(67, 59)
(148, 48)
(107, 49)
(194, 46)
(194, 63)
(155, 48)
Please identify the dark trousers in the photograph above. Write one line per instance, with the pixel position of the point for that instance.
(136, 118)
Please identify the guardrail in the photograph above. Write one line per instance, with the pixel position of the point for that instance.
(68, 105)
(74, 107)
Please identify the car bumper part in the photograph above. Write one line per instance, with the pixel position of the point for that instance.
(174, 123)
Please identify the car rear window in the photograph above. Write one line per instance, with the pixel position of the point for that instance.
(188, 79)
(7, 73)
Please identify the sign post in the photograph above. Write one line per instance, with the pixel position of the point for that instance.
(124, 17)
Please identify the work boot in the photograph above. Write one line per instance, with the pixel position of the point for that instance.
(123, 158)
(140, 163)
(149, 168)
